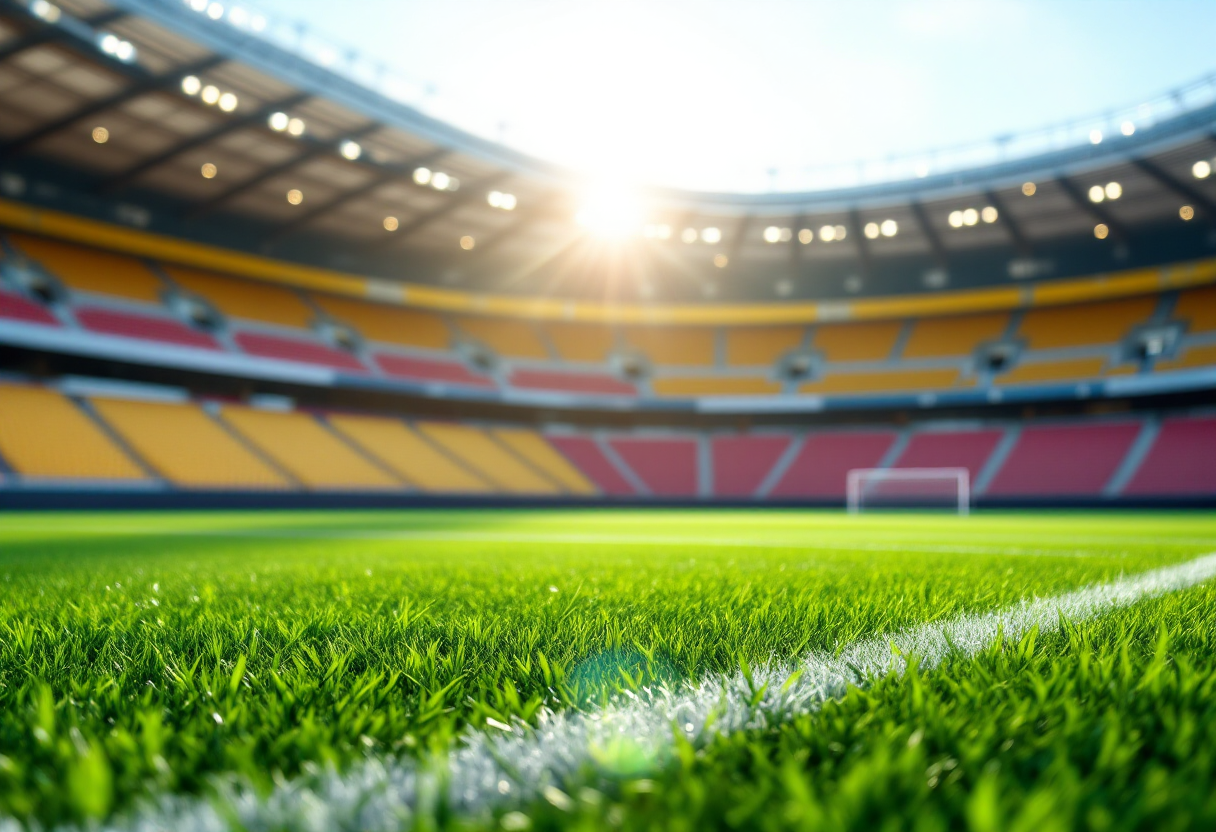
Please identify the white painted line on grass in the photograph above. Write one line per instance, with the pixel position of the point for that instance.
(508, 766)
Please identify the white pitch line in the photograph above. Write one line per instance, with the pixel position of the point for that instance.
(502, 768)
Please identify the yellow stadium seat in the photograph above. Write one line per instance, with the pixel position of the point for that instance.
(513, 339)
(1198, 308)
(581, 342)
(91, 270)
(885, 381)
(185, 445)
(715, 386)
(674, 346)
(389, 324)
(247, 299)
(413, 458)
(754, 346)
(871, 341)
(302, 446)
(943, 337)
(1204, 356)
(1083, 324)
(1076, 369)
(490, 459)
(533, 448)
(43, 434)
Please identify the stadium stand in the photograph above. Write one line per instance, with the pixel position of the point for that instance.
(948, 337)
(581, 342)
(430, 370)
(1105, 322)
(92, 270)
(874, 341)
(824, 460)
(689, 386)
(16, 308)
(968, 449)
(299, 444)
(265, 345)
(495, 463)
(1197, 307)
(589, 458)
(415, 460)
(756, 346)
(533, 449)
(1191, 357)
(1042, 372)
(666, 466)
(741, 463)
(673, 346)
(245, 299)
(1181, 460)
(182, 443)
(571, 382)
(512, 339)
(144, 327)
(44, 435)
(885, 381)
(1064, 459)
(388, 325)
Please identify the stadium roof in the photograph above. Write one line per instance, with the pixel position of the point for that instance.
(155, 114)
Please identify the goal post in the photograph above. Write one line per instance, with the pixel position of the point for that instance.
(945, 488)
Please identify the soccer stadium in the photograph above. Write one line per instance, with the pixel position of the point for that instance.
(362, 469)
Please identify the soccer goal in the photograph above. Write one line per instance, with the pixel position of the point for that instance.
(928, 488)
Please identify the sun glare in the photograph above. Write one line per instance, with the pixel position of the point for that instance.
(611, 213)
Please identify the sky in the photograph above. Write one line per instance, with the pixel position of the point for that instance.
(762, 95)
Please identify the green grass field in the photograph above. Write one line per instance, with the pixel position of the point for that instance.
(191, 654)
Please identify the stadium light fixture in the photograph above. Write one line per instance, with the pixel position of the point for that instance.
(988, 214)
(805, 236)
(827, 233)
(1201, 169)
(772, 234)
(45, 11)
(1127, 128)
(295, 127)
(228, 102)
(209, 170)
(1101, 231)
(440, 181)
(889, 228)
(610, 212)
(1097, 193)
(1187, 213)
(350, 150)
(500, 200)
(955, 219)
(1028, 188)
(422, 176)
(1095, 137)
(210, 94)
(721, 261)
(199, 6)
(115, 46)
(295, 196)
(467, 242)
(101, 135)
(1113, 190)
(391, 224)
(711, 234)
(215, 11)
(840, 231)
(970, 216)
(191, 85)
(689, 235)
(278, 122)
(871, 230)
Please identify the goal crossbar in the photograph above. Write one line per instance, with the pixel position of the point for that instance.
(859, 479)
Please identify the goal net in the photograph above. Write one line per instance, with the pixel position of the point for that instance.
(922, 488)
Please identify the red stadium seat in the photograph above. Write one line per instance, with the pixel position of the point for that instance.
(586, 455)
(294, 349)
(17, 308)
(668, 467)
(144, 327)
(825, 460)
(968, 449)
(742, 462)
(1182, 461)
(429, 370)
(1064, 460)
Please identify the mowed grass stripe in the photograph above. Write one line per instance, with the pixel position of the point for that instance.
(636, 736)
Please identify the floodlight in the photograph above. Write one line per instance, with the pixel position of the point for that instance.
(871, 230)
(955, 219)
(1101, 231)
(786, 234)
(295, 196)
(840, 232)
(390, 223)
(440, 181)
(467, 242)
(494, 198)
(215, 11)
(772, 234)
(1095, 137)
(209, 170)
(1097, 193)
(46, 11)
(295, 126)
(827, 233)
(210, 94)
(805, 236)
(889, 228)
(711, 235)
(101, 135)
(988, 214)
(228, 102)
(689, 235)
(1113, 190)
(1127, 128)
(970, 216)
(1201, 169)
(278, 122)
(191, 85)
(422, 176)
(1028, 188)
(508, 202)
(350, 150)
(1187, 213)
